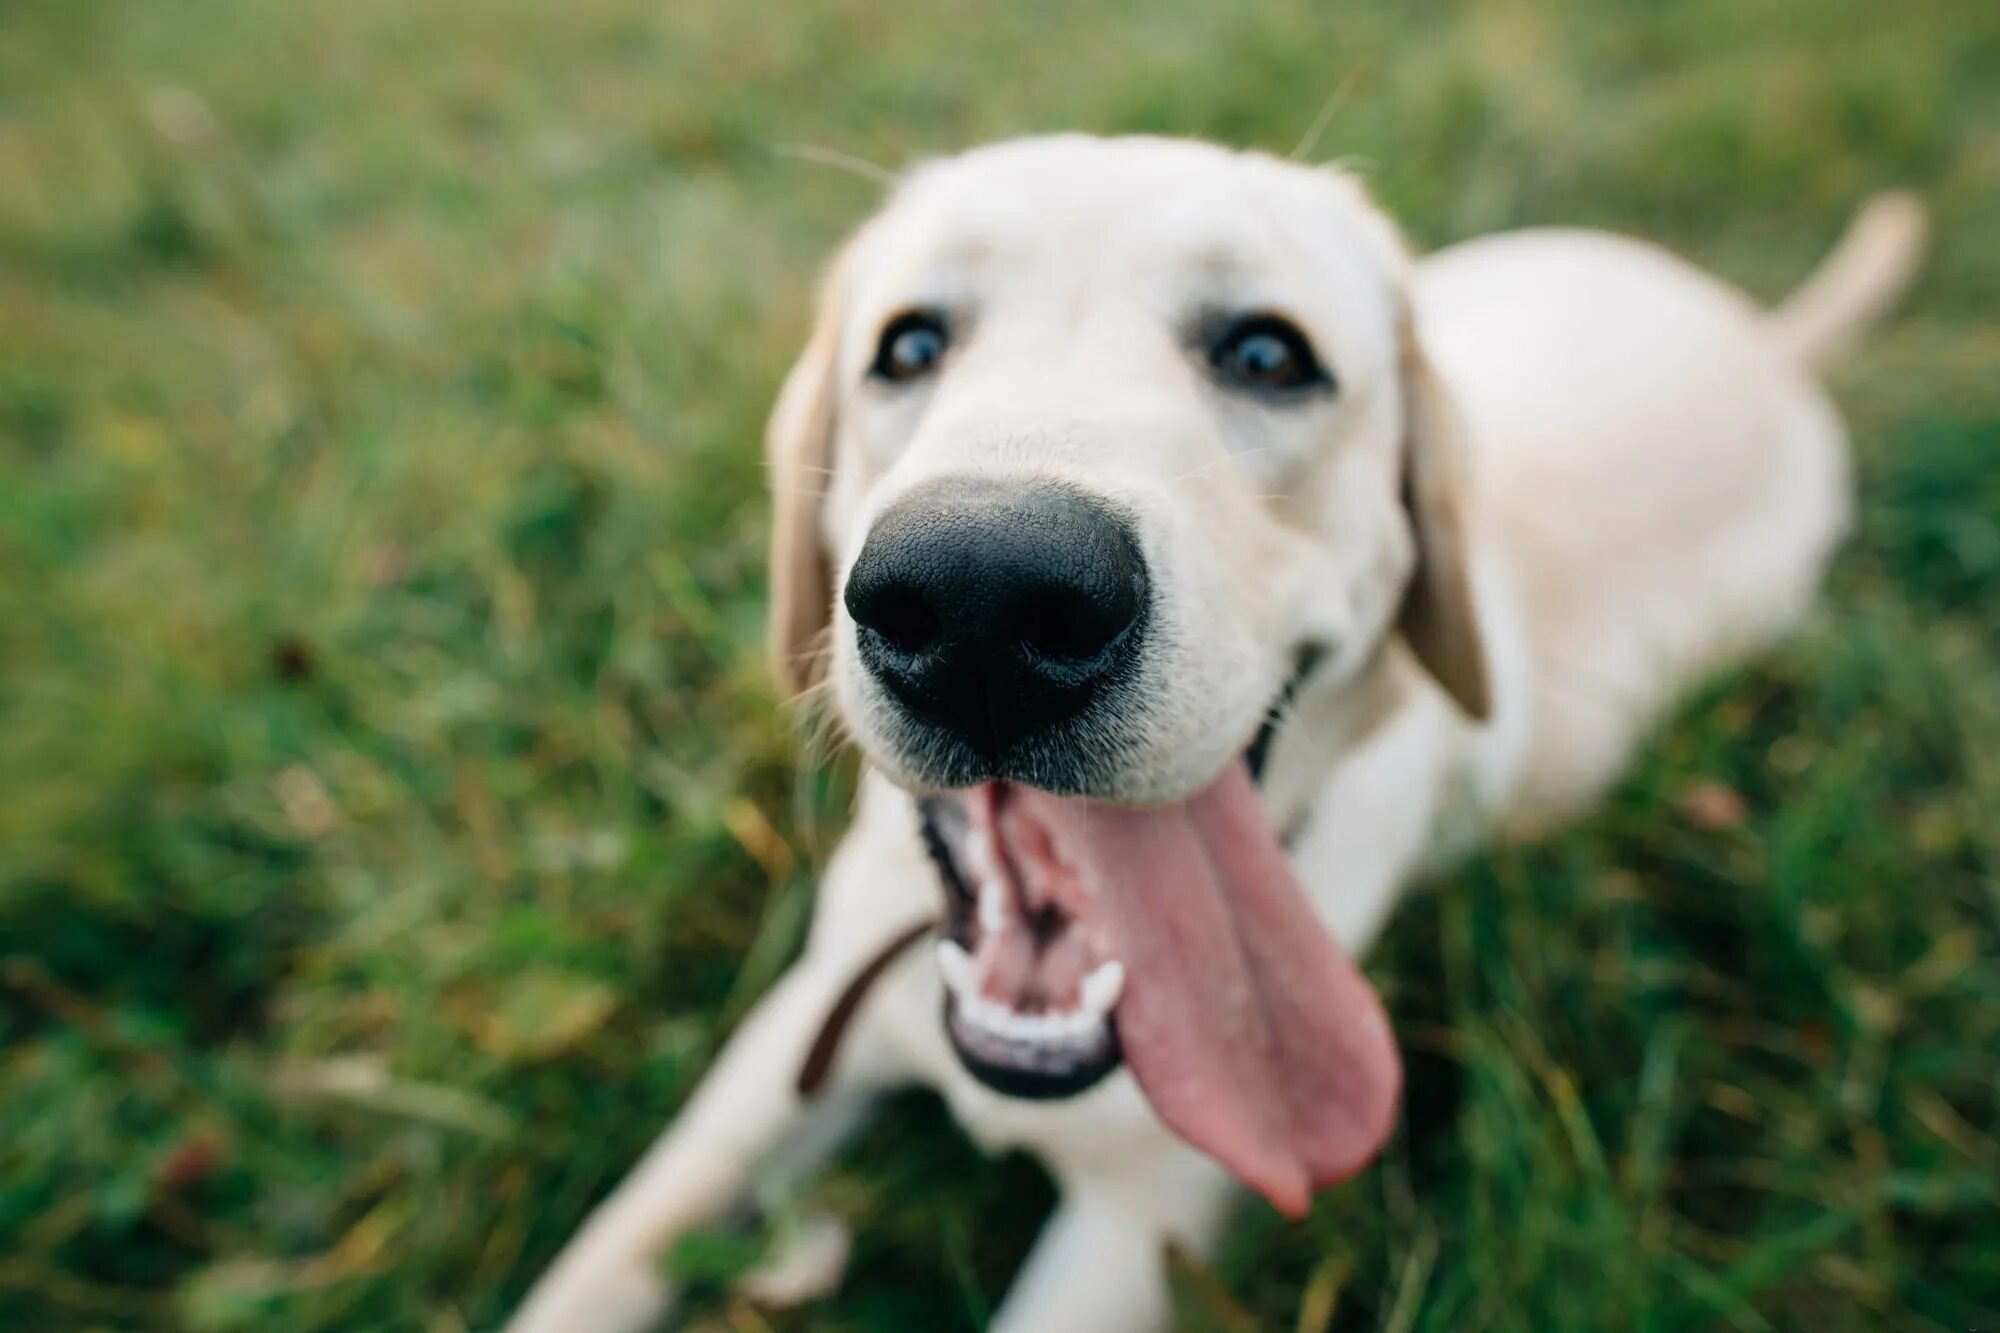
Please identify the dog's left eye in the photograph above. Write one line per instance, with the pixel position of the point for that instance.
(1266, 353)
(911, 346)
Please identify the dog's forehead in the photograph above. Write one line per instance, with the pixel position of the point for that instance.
(1134, 201)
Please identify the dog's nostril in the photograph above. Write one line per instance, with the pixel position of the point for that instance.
(906, 622)
(1061, 627)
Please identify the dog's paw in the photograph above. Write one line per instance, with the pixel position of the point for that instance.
(609, 1297)
(807, 1263)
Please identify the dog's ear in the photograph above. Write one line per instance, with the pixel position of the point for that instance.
(798, 447)
(1437, 617)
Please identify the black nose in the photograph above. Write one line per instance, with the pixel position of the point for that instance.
(996, 612)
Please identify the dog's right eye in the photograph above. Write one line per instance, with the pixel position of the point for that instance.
(1267, 354)
(911, 346)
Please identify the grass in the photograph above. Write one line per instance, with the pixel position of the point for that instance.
(393, 815)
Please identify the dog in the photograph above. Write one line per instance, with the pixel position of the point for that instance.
(1194, 569)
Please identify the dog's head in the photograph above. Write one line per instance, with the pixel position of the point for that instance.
(1096, 446)
(1091, 439)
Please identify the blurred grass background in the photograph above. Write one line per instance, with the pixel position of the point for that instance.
(393, 816)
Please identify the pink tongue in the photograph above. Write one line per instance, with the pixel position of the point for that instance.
(1254, 1036)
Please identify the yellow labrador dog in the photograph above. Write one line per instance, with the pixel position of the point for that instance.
(1193, 568)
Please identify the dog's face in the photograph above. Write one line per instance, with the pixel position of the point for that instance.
(1099, 449)
(1097, 442)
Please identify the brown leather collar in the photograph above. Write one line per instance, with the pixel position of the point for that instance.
(820, 1055)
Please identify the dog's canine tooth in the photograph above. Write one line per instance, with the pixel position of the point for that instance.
(992, 904)
(989, 883)
(957, 967)
(979, 855)
(1102, 988)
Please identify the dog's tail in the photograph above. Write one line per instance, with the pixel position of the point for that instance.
(1861, 279)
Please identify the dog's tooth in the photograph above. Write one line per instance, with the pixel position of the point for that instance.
(957, 967)
(1060, 1029)
(1035, 1029)
(979, 855)
(1020, 1027)
(989, 1014)
(1074, 1026)
(1074, 1032)
(992, 906)
(1102, 988)
(1017, 1026)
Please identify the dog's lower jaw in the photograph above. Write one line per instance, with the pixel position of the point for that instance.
(1032, 1075)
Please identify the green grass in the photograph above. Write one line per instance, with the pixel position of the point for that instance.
(387, 773)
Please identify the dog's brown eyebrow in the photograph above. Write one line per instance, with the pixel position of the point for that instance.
(825, 1046)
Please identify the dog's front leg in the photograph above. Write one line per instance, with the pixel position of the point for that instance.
(747, 1118)
(1100, 1266)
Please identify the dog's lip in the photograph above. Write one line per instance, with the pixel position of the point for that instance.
(1025, 1070)
(1090, 764)
(1032, 1084)
(1306, 659)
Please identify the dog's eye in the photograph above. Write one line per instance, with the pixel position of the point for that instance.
(1268, 354)
(911, 346)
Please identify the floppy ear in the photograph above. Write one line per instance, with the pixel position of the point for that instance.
(798, 447)
(1437, 616)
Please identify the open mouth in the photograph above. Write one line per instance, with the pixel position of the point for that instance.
(1173, 939)
(1031, 986)
(1030, 983)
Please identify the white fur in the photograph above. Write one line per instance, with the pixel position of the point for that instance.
(1656, 484)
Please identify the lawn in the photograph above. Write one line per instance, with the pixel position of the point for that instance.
(394, 815)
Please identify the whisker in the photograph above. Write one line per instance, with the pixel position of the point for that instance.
(1324, 117)
(839, 161)
(1354, 163)
(1225, 462)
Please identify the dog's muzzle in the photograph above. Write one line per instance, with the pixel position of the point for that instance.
(1003, 620)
